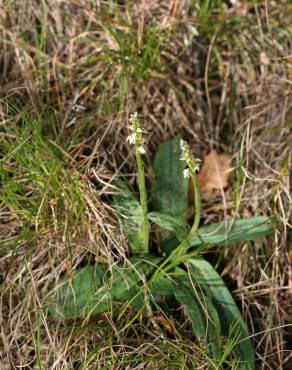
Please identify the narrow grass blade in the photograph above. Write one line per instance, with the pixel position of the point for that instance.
(212, 284)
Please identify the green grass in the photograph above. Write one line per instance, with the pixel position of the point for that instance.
(41, 190)
(33, 173)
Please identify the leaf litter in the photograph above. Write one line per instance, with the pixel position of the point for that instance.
(214, 174)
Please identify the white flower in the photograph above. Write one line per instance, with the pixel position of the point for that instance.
(133, 117)
(186, 173)
(197, 164)
(131, 139)
(141, 150)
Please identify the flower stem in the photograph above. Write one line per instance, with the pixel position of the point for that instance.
(177, 255)
(183, 247)
(143, 201)
(198, 206)
(185, 244)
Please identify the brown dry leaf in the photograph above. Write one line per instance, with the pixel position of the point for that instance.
(165, 323)
(214, 174)
(53, 202)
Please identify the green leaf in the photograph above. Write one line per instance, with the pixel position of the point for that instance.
(93, 289)
(199, 309)
(203, 315)
(78, 298)
(170, 188)
(170, 223)
(210, 281)
(131, 216)
(222, 233)
(163, 286)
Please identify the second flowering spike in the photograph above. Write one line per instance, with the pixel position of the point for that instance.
(193, 164)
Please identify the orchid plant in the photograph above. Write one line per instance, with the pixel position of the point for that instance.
(177, 271)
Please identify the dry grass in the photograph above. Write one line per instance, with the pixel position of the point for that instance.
(72, 72)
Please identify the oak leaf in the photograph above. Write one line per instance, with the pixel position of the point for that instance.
(214, 174)
(165, 323)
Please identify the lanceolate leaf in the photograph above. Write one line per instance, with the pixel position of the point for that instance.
(203, 315)
(222, 233)
(93, 289)
(199, 309)
(213, 286)
(131, 216)
(170, 223)
(170, 188)
(79, 297)
(163, 286)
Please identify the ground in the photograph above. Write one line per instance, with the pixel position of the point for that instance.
(216, 72)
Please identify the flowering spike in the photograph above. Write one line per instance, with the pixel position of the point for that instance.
(193, 164)
(136, 136)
